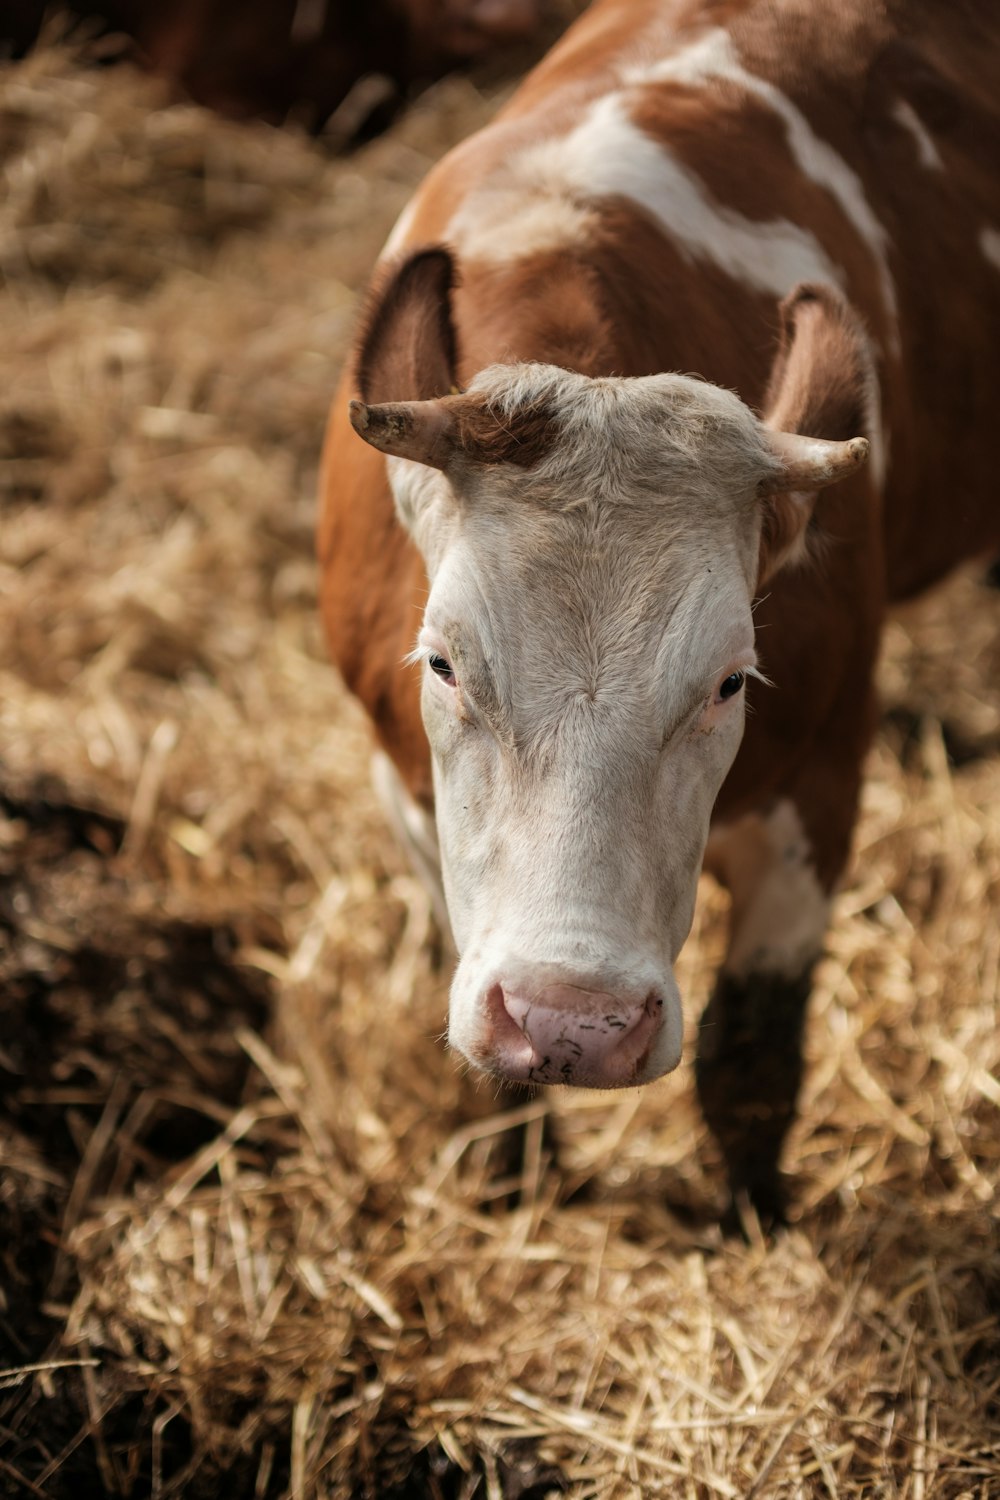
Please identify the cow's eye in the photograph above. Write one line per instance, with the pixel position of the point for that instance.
(731, 685)
(442, 668)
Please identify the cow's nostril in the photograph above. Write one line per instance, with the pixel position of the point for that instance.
(507, 1035)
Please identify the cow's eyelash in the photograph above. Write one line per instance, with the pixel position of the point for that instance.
(420, 653)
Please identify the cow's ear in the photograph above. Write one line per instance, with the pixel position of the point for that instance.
(407, 350)
(820, 400)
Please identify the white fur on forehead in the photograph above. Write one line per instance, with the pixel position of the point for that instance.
(631, 437)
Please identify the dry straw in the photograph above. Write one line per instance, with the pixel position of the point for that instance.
(290, 1240)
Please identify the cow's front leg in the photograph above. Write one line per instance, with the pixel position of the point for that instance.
(749, 1062)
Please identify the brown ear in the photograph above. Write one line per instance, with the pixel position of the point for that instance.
(407, 350)
(820, 397)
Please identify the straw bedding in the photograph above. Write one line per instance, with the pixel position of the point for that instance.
(252, 1238)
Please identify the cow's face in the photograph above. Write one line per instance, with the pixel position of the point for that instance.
(584, 652)
(593, 548)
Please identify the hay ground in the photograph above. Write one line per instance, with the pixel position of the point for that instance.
(250, 1243)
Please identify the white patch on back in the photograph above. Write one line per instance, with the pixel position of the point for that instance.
(928, 154)
(780, 910)
(503, 220)
(714, 56)
(607, 156)
(989, 244)
(546, 195)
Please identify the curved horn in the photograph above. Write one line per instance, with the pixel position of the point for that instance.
(811, 463)
(421, 430)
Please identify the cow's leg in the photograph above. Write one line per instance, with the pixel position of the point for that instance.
(749, 1062)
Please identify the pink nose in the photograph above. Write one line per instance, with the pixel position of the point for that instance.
(564, 1034)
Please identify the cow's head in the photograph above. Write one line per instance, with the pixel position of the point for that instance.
(594, 547)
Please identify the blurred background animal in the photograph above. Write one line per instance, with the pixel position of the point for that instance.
(301, 58)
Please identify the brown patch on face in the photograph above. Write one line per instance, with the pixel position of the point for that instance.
(452, 428)
(524, 437)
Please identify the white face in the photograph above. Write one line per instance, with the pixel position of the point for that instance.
(584, 648)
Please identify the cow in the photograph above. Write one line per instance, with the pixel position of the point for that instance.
(613, 623)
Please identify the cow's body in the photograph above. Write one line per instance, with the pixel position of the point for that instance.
(656, 188)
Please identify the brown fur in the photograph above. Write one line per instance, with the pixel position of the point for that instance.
(522, 439)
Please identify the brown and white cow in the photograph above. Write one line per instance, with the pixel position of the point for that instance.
(800, 203)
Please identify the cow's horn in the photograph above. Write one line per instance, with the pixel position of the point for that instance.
(421, 430)
(811, 463)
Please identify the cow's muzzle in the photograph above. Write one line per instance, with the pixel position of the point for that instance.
(566, 1033)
